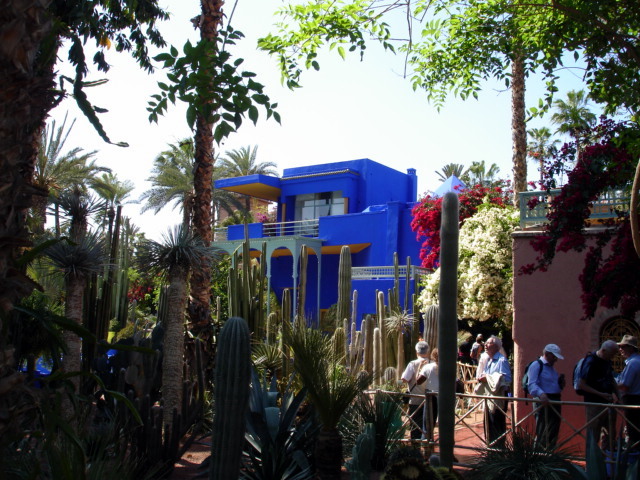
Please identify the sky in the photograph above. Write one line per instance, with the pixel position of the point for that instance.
(347, 110)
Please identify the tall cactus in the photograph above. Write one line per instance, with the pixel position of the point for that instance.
(246, 287)
(448, 325)
(232, 379)
(381, 313)
(430, 319)
(367, 332)
(344, 286)
(338, 342)
(378, 347)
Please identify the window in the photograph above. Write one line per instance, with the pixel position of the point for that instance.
(310, 206)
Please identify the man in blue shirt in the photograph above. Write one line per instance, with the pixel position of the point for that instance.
(546, 385)
(629, 387)
(497, 377)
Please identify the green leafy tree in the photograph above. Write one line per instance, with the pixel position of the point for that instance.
(34, 34)
(218, 97)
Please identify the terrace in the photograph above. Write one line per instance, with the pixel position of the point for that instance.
(607, 206)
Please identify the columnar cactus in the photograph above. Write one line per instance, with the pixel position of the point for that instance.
(354, 307)
(338, 344)
(344, 286)
(378, 347)
(448, 324)
(367, 331)
(430, 319)
(381, 313)
(231, 394)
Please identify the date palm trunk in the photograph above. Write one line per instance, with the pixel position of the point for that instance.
(173, 350)
(200, 308)
(26, 96)
(518, 128)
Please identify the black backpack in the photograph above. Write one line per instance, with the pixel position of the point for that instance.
(525, 377)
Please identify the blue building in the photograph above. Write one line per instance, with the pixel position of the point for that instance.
(359, 203)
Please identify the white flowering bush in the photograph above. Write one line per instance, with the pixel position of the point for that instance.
(485, 268)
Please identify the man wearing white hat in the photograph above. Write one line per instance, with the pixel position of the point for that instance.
(546, 385)
(629, 387)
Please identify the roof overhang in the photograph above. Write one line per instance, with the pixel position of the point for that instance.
(258, 186)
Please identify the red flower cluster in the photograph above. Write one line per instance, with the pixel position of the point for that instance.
(138, 292)
(604, 165)
(427, 217)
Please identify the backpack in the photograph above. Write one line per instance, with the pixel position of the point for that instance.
(525, 377)
(578, 374)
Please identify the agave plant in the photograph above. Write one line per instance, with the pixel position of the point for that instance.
(521, 458)
(331, 390)
(278, 442)
(384, 415)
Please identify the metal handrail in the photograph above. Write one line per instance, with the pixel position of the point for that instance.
(469, 405)
(534, 206)
(304, 228)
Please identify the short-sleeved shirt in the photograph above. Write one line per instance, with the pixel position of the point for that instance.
(430, 372)
(410, 375)
(598, 374)
(630, 376)
(543, 379)
(499, 364)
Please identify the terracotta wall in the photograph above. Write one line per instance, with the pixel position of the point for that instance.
(547, 309)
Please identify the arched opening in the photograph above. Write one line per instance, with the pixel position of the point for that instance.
(614, 329)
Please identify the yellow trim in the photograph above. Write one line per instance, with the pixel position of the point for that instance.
(326, 250)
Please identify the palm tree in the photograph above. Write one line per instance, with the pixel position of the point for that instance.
(179, 253)
(518, 124)
(478, 174)
(172, 182)
(541, 148)
(573, 115)
(113, 192)
(56, 171)
(243, 162)
(449, 169)
(331, 390)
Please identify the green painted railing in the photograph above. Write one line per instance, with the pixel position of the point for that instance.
(605, 207)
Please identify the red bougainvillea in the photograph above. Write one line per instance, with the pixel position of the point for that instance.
(610, 274)
(427, 217)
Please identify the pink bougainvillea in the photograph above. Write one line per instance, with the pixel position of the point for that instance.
(608, 279)
(427, 217)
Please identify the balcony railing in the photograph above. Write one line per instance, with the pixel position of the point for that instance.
(375, 273)
(605, 207)
(302, 228)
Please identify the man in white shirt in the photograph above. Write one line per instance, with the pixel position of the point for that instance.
(416, 401)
